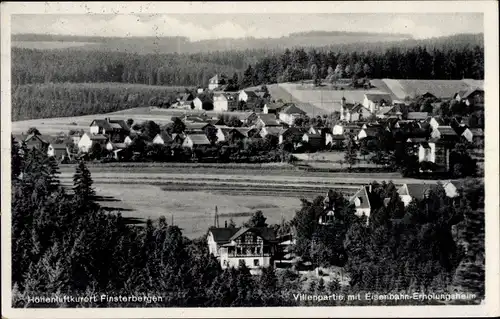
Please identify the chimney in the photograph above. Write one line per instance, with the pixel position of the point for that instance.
(225, 224)
(370, 189)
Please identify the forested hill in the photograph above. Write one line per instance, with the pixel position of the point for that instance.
(146, 45)
(442, 58)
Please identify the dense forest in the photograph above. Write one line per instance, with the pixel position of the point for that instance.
(64, 243)
(33, 71)
(441, 60)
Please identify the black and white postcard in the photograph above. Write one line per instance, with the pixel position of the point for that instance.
(249, 159)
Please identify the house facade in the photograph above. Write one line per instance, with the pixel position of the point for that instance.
(216, 81)
(408, 192)
(354, 113)
(372, 101)
(220, 103)
(290, 113)
(113, 129)
(361, 201)
(162, 138)
(88, 140)
(233, 247)
(195, 140)
(58, 151)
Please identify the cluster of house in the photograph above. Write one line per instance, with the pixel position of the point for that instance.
(260, 247)
(381, 105)
(218, 98)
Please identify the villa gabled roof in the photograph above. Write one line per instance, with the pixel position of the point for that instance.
(226, 235)
(292, 109)
(362, 194)
(199, 139)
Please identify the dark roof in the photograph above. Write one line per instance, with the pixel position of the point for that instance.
(96, 137)
(199, 139)
(371, 132)
(196, 126)
(58, 146)
(273, 130)
(358, 107)
(111, 124)
(204, 98)
(275, 106)
(447, 130)
(378, 97)
(222, 235)
(242, 130)
(338, 137)
(292, 109)
(165, 136)
(225, 235)
(251, 94)
(313, 136)
(290, 130)
(414, 190)
(35, 137)
(417, 115)
(469, 92)
(269, 119)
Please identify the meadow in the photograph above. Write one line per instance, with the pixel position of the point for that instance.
(189, 193)
(53, 126)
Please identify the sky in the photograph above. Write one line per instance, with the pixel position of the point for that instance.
(214, 26)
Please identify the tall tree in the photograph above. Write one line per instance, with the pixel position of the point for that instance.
(351, 152)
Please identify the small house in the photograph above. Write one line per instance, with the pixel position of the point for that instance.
(58, 151)
(367, 133)
(408, 192)
(35, 141)
(221, 103)
(354, 113)
(471, 96)
(290, 113)
(273, 107)
(435, 122)
(195, 140)
(270, 130)
(314, 140)
(203, 102)
(417, 116)
(110, 128)
(362, 201)
(292, 134)
(253, 247)
(162, 138)
(88, 140)
(372, 101)
(216, 81)
(267, 120)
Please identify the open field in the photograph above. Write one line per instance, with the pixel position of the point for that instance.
(51, 126)
(400, 88)
(190, 193)
(324, 98)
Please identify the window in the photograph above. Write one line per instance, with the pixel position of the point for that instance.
(256, 262)
(241, 262)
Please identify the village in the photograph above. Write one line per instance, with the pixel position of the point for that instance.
(281, 126)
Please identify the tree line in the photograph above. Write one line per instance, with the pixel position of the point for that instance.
(418, 62)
